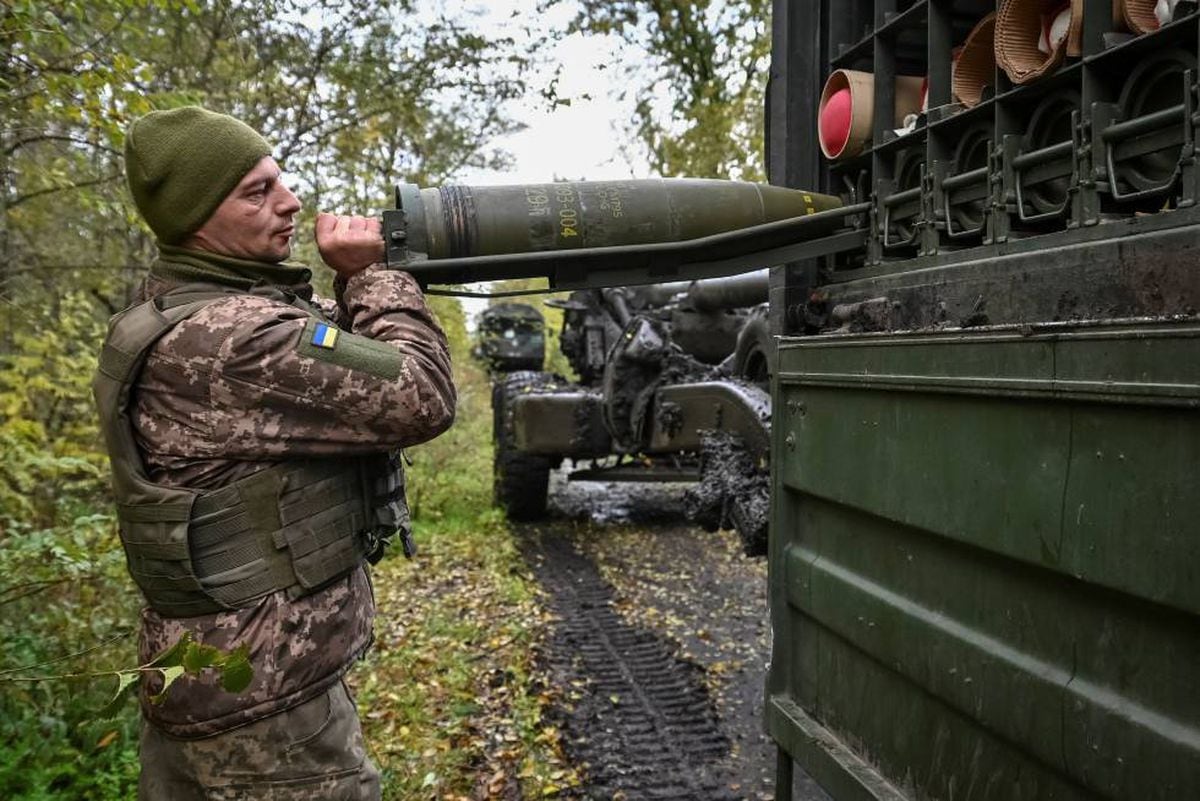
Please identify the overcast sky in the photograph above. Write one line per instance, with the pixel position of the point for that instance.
(580, 141)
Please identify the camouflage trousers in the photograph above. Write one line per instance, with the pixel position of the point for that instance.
(312, 752)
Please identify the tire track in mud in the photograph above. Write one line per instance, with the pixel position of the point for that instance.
(643, 725)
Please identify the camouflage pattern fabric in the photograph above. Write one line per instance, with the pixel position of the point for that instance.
(312, 752)
(228, 392)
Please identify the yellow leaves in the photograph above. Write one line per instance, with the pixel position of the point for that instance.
(549, 735)
(497, 782)
(108, 739)
(17, 428)
(447, 690)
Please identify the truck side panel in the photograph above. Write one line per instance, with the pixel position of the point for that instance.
(984, 546)
(985, 563)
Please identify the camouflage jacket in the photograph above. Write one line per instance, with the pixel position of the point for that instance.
(225, 394)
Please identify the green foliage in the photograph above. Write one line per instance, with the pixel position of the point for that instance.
(188, 657)
(63, 587)
(54, 469)
(356, 95)
(44, 758)
(64, 592)
(70, 758)
(700, 112)
(451, 477)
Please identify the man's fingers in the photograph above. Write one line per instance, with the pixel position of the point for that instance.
(349, 242)
(341, 223)
(325, 223)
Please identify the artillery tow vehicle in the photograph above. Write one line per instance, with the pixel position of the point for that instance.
(674, 383)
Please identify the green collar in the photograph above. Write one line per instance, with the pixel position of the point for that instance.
(185, 266)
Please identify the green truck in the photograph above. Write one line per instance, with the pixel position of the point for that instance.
(985, 533)
(984, 546)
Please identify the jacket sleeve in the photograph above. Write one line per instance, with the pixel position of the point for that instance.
(282, 385)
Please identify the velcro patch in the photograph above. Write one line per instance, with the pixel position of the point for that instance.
(352, 351)
(324, 336)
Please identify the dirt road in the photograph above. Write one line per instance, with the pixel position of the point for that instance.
(659, 649)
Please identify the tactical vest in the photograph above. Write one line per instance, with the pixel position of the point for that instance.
(296, 526)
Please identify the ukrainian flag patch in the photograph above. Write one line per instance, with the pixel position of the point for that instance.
(324, 336)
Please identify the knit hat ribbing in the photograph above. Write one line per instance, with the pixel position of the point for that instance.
(181, 164)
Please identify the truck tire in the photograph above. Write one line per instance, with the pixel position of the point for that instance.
(752, 356)
(520, 481)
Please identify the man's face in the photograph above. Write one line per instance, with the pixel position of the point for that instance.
(254, 221)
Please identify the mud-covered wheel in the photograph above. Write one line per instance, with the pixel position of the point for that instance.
(733, 492)
(520, 481)
(752, 356)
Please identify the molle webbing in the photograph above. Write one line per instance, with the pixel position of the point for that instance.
(294, 527)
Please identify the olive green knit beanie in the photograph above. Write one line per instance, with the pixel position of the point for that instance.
(182, 163)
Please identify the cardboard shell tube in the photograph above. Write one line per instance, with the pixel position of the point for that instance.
(1018, 28)
(1138, 15)
(976, 64)
(861, 86)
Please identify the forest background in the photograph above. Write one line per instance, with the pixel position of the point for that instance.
(356, 96)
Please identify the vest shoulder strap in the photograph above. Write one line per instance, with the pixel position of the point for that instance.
(133, 332)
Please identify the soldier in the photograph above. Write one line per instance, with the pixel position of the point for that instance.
(254, 433)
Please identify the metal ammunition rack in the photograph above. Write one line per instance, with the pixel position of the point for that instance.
(1108, 136)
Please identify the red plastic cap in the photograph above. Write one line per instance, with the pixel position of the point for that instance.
(834, 123)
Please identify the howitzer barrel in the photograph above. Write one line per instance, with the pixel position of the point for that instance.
(591, 233)
(662, 294)
(712, 294)
(732, 292)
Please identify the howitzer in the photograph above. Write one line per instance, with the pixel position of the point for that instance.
(675, 375)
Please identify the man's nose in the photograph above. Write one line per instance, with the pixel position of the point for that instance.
(288, 202)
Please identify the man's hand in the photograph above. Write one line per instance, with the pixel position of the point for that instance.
(349, 244)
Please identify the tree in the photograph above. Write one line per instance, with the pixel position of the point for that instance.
(701, 112)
